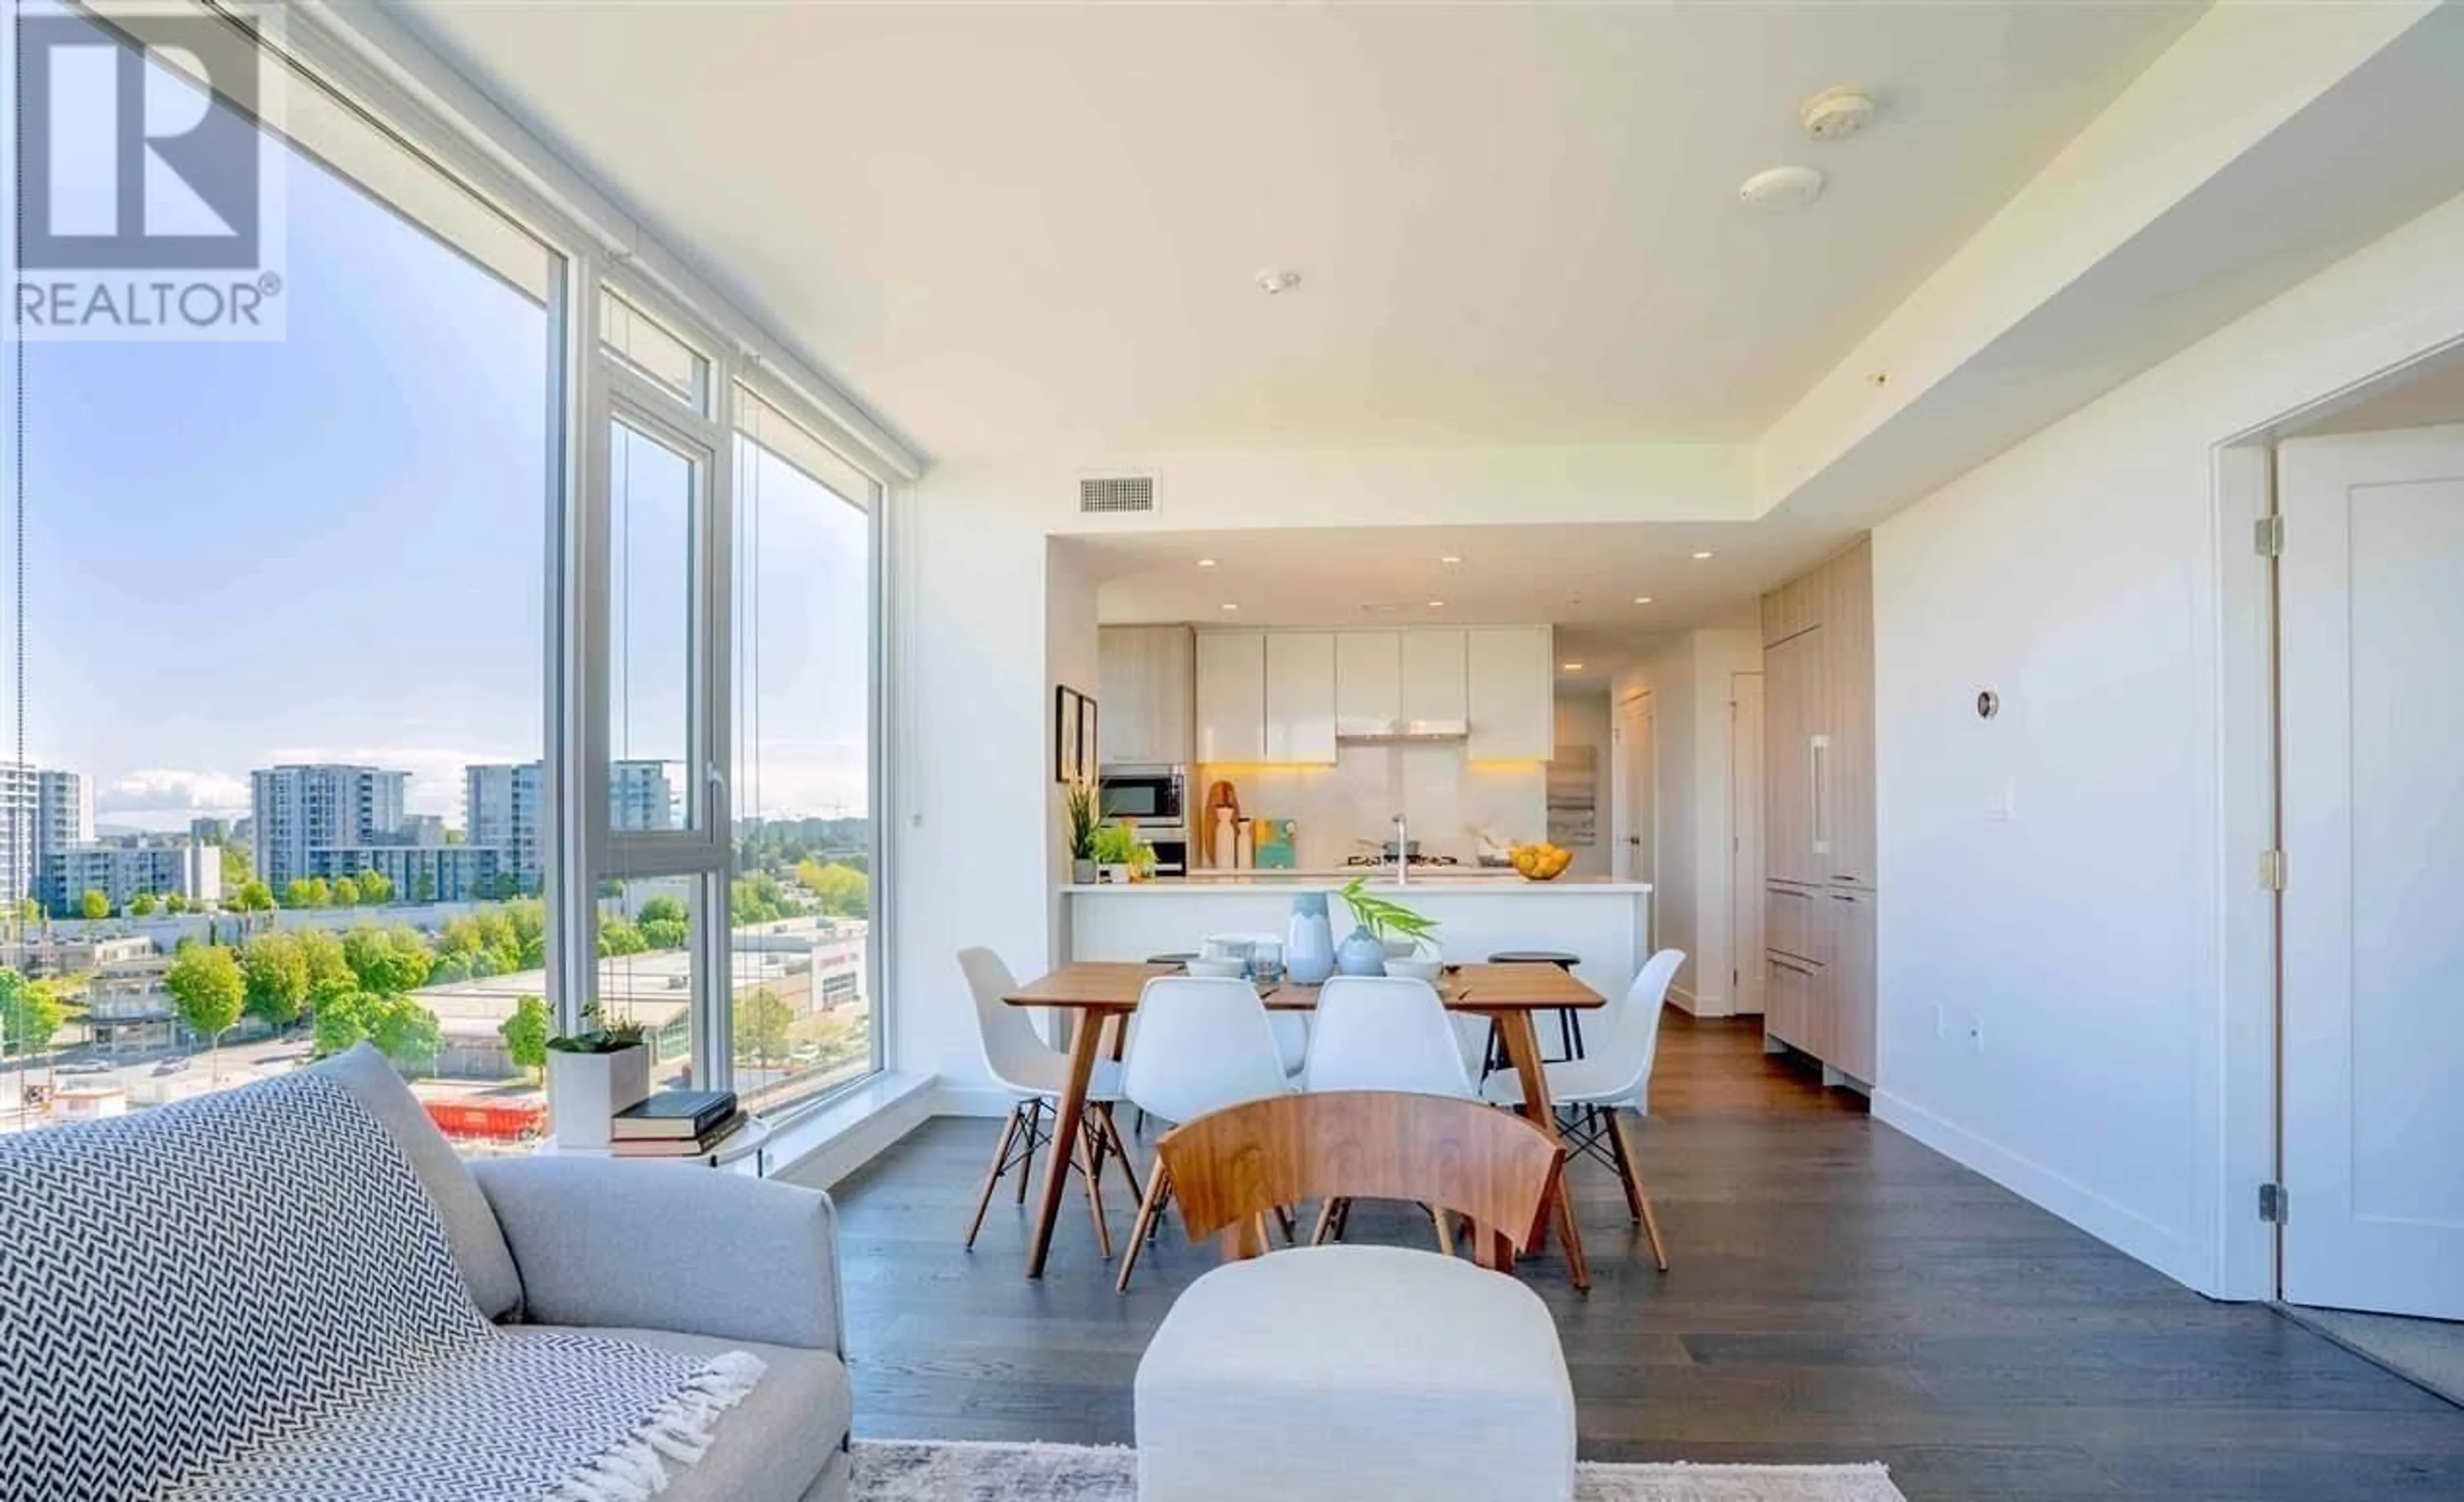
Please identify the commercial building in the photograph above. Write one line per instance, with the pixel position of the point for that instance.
(302, 809)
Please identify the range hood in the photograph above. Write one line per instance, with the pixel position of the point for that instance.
(1390, 732)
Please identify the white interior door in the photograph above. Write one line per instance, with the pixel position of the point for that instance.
(1745, 839)
(2372, 584)
(1636, 800)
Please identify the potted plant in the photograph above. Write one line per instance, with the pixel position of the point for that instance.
(1382, 925)
(1116, 849)
(1085, 820)
(592, 1074)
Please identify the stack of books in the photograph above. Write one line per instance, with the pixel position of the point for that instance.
(676, 1123)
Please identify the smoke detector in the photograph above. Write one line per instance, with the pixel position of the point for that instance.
(1836, 114)
(1781, 187)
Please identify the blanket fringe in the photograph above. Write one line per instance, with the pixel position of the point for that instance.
(678, 1430)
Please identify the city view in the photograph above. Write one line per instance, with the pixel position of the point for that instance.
(279, 624)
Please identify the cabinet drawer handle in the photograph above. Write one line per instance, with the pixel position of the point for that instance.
(1843, 897)
(1842, 875)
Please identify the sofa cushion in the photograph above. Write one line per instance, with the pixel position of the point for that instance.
(478, 1243)
(773, 1445)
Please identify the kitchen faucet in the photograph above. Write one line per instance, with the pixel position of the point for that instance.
(1402, 854)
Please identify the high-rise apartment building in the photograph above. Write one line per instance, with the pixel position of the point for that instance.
(301, 810)
(502, 808)
(121, 872)
(642, 796)
(41, 810)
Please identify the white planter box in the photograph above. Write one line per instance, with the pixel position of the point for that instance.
(584, 1092)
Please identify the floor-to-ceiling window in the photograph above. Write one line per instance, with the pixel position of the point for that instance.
(281, 619)
(498, 640)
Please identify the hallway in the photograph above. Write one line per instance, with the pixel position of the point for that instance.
(1838, 1293)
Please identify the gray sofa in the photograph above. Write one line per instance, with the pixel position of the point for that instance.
(666, 1254)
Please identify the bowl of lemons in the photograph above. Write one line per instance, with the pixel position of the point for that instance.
(1540, 861)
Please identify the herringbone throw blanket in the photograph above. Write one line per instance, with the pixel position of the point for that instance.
(251, 1295)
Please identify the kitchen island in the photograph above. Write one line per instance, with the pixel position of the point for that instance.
(1608, 923)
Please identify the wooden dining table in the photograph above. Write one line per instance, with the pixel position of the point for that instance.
(1100, 995)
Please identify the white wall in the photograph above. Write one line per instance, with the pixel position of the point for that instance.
(1583, 720)
(2084, 575)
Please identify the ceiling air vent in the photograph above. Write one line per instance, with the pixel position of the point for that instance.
(1116, 493)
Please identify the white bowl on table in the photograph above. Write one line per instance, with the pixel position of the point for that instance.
(1419, 967)
(1217, 969)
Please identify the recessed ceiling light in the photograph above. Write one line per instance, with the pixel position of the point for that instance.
(1437, 604)
(1450, 560)
(1229, 606)
(1275, 282)
(1781, 188)
(1572, 666)
(1703, 553)
(1206, 562)
(1642, 599)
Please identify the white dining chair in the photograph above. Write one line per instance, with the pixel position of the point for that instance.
(1204, 1043)
(1385, 1032)
(1291, 1027)
(1595, 1088)
(1035, 1072)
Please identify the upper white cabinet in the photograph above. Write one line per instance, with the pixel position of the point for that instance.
(1300, 696)
(1148, 678)
(1368, 683)
(1231, 696)
(1510, 693)
(1433, 676)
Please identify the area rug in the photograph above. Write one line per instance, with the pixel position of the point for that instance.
(901, 1471)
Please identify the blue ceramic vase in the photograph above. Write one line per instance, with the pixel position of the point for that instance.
(1361, 954)
(1309, 948)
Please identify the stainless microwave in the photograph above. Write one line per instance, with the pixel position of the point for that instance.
(1145, 794)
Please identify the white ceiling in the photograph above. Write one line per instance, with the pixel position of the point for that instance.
(1033, 229)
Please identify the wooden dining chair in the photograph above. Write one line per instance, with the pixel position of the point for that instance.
(1231, 1169)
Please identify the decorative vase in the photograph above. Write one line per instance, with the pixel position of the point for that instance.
(1361, 954)
(584, 1092)
(1083, 873)
(1114, 873)
(1309, 948)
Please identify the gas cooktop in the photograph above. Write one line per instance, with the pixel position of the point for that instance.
(1373, 861)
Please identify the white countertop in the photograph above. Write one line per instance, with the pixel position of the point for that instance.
(1473, 883)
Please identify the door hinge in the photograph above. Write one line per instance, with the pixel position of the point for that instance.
(2271, 870)
(2272, 1204)
(2267, 535)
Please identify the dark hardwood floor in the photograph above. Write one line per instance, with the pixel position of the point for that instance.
(1838, 1293)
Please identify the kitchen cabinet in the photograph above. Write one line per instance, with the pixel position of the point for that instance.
(1147, 677)
(1433, 680)
(1299, 697)
(1231, 696)
(1848, 982)
(1510, 694)
(1368, 682)
(1818, 812)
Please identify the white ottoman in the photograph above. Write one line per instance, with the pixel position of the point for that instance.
(1356, 1374)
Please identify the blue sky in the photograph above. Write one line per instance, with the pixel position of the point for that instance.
(331, 548)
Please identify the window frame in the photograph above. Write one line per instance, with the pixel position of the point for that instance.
(370, 64)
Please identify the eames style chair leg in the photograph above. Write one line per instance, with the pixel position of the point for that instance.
(1637, 1200)
(1034, 1139)
(1120, 1150)
(1089, 1145)
(992, 1175)
(1159, 1184)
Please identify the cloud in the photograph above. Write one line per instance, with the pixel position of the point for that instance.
(168, 790)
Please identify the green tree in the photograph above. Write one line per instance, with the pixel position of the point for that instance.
(276, 968)
(527, 918)
(661, 909)
(251, 896)
(844, 891)
(755, 899)
(525, 1033)
(340, 1023)
(236, 875)
(142, 905)
(405, 1032)
(31, 1012)
(327, 966)
(376, 888)
(346, 893)
(94, 904)
(762, 1021)
(387, 961)
(662, 931)
(619, 936)
(209, 991)
(175, 902)
(423, 890)
(306, 891)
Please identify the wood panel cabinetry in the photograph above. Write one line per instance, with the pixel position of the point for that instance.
(1818, 812)
(1147, 676)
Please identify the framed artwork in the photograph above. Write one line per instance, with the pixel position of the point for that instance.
(1068, 743)
(1087, 742)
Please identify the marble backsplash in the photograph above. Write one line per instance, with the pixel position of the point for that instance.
(1443, 796)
